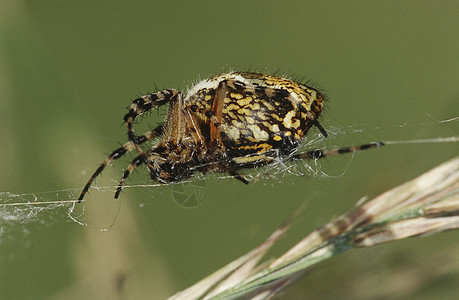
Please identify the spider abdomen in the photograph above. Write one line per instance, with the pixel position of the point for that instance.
(255, 115)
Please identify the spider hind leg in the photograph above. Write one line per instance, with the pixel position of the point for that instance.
(316, 154)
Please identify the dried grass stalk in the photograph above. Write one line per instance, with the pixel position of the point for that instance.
(425, 205)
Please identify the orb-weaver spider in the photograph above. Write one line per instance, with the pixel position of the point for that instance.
(224, 124)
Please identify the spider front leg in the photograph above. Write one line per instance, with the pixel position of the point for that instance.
(144, 104)
(127, 147)
(134, 164)
(215, 113)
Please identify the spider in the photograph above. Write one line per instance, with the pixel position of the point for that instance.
(224, 124)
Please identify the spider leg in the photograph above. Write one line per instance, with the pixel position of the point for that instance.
(144, 104)
(196, 131)
(127, 147)
(134, 164)
(316, 154)
(217, 111)
(315, 122)
(239, 177)
(215, 114)
(192, 124)
(208, 113)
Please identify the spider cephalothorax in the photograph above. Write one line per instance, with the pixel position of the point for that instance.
(223, 124)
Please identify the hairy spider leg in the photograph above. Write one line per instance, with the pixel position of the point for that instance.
(215, 114)
(316, 154)
(192, 124)
(239, 177)
(144, 104)
(178, 120)
(180, 123)
(217, 111)
(127, 147)
(315, 122)
(215, 117)
(134, 164)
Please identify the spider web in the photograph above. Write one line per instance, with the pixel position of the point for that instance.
(17, 210)
(62, 205)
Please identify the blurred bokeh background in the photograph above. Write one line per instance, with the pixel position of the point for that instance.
(68, 70)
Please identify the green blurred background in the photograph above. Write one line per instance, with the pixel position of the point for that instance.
(68, 69)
